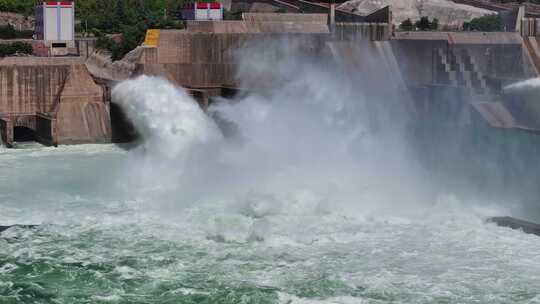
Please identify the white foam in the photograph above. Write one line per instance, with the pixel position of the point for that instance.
(168, 119)
(533, 82)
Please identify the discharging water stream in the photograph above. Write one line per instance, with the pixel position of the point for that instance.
(305, 201)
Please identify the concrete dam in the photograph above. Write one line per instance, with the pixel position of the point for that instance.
(56, 99)
(282, 158)
(66, 100)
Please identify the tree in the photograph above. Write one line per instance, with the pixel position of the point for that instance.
(406, 25)
(434, 25)
(487, 23)
(120, 13)
(232, 15)
(8, 49)
(9, 32)
(25, 7)
(423, 24)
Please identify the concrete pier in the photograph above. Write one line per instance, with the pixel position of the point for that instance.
(4, 228)
(514, 223)
(51, 100)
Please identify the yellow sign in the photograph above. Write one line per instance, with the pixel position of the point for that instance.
(152, 38)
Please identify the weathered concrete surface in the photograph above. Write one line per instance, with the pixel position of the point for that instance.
(532, 49)
(448, 58)
(30, 84)
(55, 97)
(200, 58)
(450, 15)
(455, 75)
(353, 31)
(85, 46)
(205, 55)
(514, 223)
(81, 113)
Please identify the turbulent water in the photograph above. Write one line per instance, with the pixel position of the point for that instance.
(289, 196)
(99, 247)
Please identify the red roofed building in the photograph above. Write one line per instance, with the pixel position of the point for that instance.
(203, 11)
(55, 25)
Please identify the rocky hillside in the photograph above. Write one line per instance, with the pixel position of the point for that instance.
(450, 15)
(20, 22)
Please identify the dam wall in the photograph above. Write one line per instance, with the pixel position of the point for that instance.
(352, 31)
(55, 99)
(426, 57)
(67, 98)
(452, 75)
(206, 54)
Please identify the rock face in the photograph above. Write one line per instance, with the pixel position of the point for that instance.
(100, 65)
(514, 223)
(450, 15)
(19, 21)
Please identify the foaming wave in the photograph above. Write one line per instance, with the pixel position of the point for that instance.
(308, 141)
(167, 118)
(533, 82)
(302, 148)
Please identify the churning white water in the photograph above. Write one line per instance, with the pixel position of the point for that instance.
(289, 195)
(533, 82)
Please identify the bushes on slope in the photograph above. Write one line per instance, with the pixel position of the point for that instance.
(488, 23)
(9, 32)
(9, 49)
(423, 24)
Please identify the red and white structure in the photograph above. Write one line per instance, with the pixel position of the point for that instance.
(55, 21)
(203, 11)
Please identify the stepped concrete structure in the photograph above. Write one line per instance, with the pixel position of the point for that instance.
(457, 73)
(65, 100)
(53, 100)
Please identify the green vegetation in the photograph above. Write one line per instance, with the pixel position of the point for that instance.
(9, 49)
(112, 16)
(9, 32)
(434, 25)
(25, 7)
(232, 15)
(423, 24)
(406, 25)
(488, 23)
(131, 18)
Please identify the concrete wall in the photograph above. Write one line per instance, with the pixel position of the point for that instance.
(85, 46)
(361, 31)
(55, 97)
(500, 62)
(82, 114)
(416, 60)
(204, 60)
(28, 85)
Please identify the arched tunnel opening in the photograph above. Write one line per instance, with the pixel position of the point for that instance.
(23, 134)
(123, 130)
